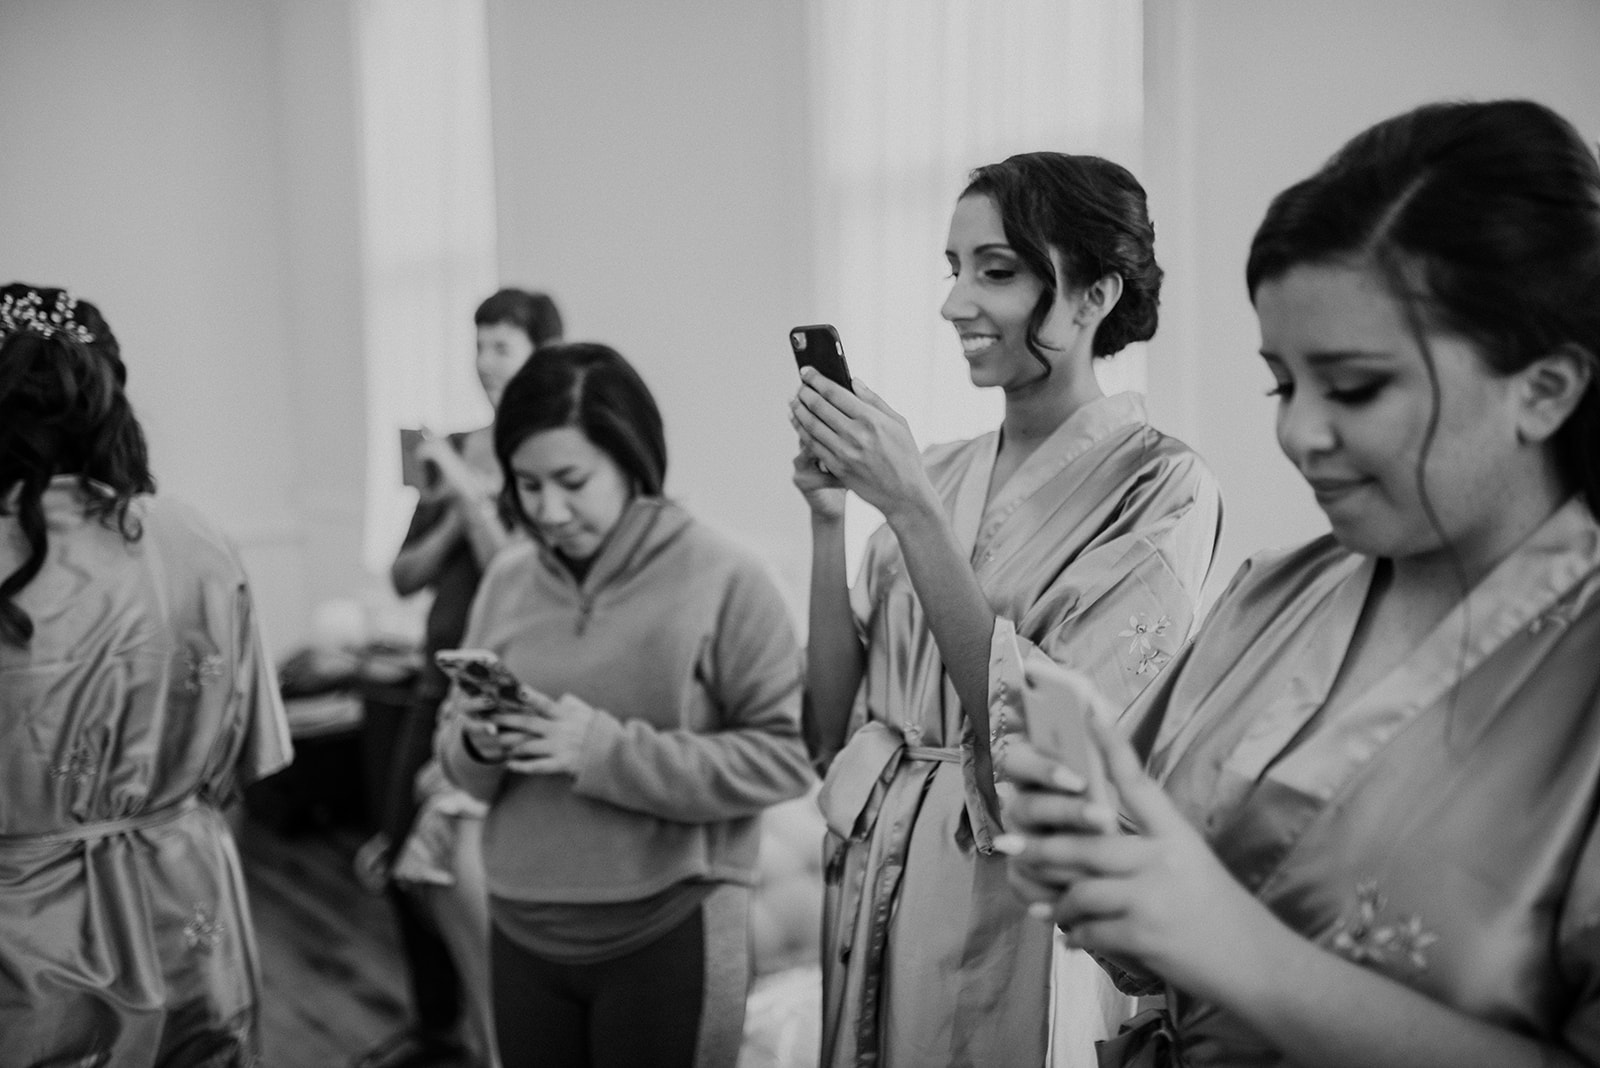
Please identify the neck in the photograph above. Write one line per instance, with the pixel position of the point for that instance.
(1034, 410)
(1447, 572)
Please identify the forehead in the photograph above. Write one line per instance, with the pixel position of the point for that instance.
(505, 333)
(549, 451)
(975, 222)
(1320, 308)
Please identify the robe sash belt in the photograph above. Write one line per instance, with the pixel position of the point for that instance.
(859, 781)
(89, 832)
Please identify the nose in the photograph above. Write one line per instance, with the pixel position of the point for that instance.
(1305, 428)
(957, 304)
(553, 507)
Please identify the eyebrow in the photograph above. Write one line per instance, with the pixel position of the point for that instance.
(1334, 357)
(570, 469)
(984, 250)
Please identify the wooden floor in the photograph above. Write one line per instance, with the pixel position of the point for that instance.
(334, 980)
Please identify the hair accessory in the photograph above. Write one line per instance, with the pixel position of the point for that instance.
(28, 312)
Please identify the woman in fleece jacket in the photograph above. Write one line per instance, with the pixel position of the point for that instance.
(662, 702)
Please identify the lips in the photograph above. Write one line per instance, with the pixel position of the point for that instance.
(1333, 490)
(973, 344)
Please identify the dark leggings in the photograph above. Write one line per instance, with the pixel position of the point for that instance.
(676, 1003)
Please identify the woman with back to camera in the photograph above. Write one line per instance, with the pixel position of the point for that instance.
(1377, 842)
(1075, 532)
(662, 680)
(135, 701)
(431, 842)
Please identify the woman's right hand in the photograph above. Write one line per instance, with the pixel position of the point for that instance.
(457, 479)
(823, 493)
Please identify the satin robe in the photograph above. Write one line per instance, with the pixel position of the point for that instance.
(142, 702)
(1093, 554)
(1440, 828)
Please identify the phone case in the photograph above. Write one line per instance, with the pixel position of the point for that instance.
(480, 673)
(819, 346)
(1057, 703)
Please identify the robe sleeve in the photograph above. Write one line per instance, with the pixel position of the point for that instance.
(1118, 614)
(1578, 953)
(267, 747)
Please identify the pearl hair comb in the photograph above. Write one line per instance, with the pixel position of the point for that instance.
(28, 312)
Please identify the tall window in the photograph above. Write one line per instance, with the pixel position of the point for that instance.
(909, 95)
(428, 232)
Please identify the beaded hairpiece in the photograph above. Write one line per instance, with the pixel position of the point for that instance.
(27, 312)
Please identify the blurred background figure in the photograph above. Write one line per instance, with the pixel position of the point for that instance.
(136, 701)
(659, 717)
(437, 891)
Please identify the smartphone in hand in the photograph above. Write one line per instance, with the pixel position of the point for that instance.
(819, 346)
(479, 673)
(1057, 703)
(414, 470)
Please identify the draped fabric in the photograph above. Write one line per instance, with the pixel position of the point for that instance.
(1093, 554)
(1439, 828)
(141, 704)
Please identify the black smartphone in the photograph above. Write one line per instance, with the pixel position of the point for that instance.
(819, 346)
(480, 673)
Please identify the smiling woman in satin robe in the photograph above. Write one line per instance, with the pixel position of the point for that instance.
(1074, 532)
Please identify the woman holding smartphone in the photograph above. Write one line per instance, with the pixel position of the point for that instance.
(1074, 532)
(426, 853)
(1378, 841)
(663, 691)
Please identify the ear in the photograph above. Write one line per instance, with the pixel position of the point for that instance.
(1549, 391)
(1098, 298)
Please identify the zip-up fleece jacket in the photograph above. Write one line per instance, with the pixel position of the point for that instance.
(684, 645)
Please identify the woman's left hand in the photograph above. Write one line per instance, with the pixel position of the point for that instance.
(549, 736)
(861, 441)
(1158, 896)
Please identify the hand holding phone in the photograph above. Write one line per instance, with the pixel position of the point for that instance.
(415, 471)
(480, 673)
(1057, 704)
(819, 346)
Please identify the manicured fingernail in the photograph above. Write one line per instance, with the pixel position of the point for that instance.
(1009, 844)
(1100, 816)
(1068, 780)
(1039, 910)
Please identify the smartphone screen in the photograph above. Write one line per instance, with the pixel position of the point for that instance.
(819, 346)
(1057, 704)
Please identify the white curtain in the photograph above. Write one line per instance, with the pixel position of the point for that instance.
(907, 96)
(428, 234)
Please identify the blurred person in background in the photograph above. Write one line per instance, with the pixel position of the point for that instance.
(427, 851)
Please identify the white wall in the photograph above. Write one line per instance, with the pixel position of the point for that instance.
(171, 161)
(190, 165)
(1244, 97)
(651, 175)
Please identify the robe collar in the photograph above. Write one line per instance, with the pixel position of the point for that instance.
(976, 525)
